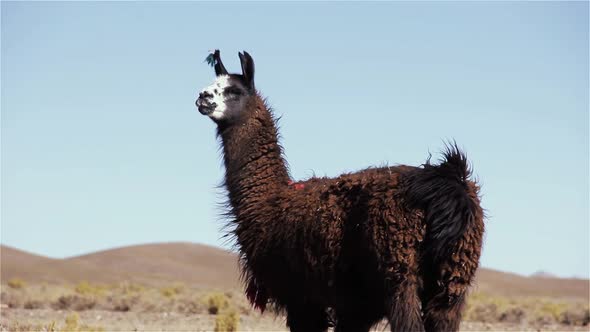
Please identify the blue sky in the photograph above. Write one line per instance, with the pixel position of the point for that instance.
(102, 145)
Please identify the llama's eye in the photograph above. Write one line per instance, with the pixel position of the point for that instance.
(233, 91)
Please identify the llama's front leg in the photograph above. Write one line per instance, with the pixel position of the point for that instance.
(307, 318)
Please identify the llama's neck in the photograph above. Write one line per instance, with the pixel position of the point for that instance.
(255, 170)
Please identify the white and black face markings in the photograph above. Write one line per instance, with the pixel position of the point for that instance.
(216, 90)
(226, 94)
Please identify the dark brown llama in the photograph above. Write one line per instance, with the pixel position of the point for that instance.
(401, 243)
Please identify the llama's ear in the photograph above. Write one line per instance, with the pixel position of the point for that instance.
(247, 68)
(219, 67)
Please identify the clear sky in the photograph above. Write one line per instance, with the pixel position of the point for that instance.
(102, 145)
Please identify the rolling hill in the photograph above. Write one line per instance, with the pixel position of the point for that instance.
(188, 263)
(34, 268)
(184, 262)
(211, 267)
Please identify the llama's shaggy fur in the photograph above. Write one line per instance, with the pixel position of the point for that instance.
(396, 242)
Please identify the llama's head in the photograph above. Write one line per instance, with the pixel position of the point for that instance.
(226, 99)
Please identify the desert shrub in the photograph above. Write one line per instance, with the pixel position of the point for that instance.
(547, 312)
(16, 283)
(33, 304)
(74, 302)
(72, 324)
(123, 304)
(85, 288)
(553, 309)
(12, 300)
(168, 291)
(482, 312)
(216, 302)
(152, 301)
(172, 291)
(512, 315)
(24, 327)
(131, 288)
(227, 321)
(149, 304)
(540, 319)
(51, 327)
(575, 316)
(190, 306)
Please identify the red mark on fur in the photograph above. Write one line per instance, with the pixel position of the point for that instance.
(297, 186)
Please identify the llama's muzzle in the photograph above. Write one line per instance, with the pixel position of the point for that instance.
(204, 105)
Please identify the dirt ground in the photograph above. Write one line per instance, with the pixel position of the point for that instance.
(191, 287)
(11, 319)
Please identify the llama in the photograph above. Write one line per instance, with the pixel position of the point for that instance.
(401, 243)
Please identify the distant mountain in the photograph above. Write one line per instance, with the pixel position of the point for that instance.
(211, 267)
(510, 284)
(186, 262)
(189, 263)
(31, 267)
(542, 274)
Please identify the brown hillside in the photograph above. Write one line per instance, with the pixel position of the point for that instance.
(183, 262)
(206, 266)
(510, 284)
(34, 268)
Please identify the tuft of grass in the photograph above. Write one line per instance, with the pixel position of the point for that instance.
(575, 316)
(227, 321)
(129, 288)
(72, 324)
(85, 288)
(124, 303)
(12, 299)
(487, 308)
(16, 283)
(191, 306)
(33, 304)
(216, 302)
(51, 327)
(553, 309)
(74, 302)
(172, 291)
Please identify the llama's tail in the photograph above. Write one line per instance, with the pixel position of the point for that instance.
(448, 198)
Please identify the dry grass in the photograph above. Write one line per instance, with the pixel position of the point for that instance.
(122, 298)
(536, 311)
(71, 323)
(227, 321)
(217, 302)
(158, 294)
(172, 291)
(16, 283)
(228, 308)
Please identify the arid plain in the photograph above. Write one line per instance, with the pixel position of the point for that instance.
(192, 287)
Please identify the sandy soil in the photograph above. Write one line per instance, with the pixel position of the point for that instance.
(166, 287)
(172, 321)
